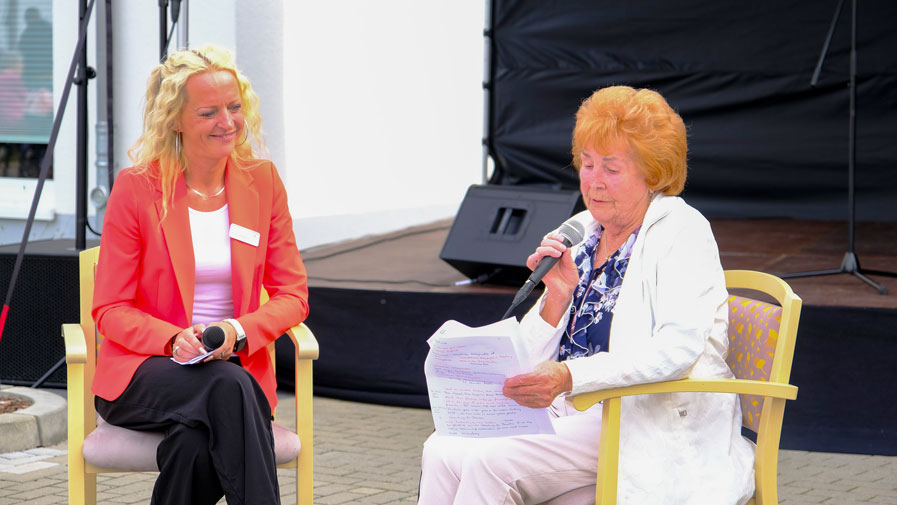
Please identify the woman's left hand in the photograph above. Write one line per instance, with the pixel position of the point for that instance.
(230, 338)
(540, 387)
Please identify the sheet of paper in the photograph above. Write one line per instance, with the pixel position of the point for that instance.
(465, 369)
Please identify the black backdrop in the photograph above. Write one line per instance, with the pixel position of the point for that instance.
(762, 142)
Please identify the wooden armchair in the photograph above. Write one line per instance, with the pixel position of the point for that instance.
(761, 348)
(94, 449)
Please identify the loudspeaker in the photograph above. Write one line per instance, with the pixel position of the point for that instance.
(46, 296)
(497, 227)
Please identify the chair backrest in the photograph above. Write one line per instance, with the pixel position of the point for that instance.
(761, 335)
(87, 266)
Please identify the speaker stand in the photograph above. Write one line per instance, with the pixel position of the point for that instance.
(850, 264)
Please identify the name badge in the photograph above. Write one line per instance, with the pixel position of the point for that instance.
(246, 235)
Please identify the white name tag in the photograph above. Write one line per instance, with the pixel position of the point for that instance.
(246, 235)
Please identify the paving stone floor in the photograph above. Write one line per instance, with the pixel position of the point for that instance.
(370, 454)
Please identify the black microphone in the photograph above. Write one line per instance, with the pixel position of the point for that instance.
(212, 338)
(572, 232)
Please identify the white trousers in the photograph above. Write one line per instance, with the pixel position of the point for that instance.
(520, 470)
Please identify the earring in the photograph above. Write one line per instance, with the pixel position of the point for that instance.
(177, 142)
(245, 133)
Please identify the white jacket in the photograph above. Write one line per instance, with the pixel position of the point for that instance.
(670, 322)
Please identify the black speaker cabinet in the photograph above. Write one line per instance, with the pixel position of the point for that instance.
(45, 297)
(497, 227)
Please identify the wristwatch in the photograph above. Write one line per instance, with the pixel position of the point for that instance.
(241, 335)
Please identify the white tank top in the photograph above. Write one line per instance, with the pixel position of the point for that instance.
(213, 298)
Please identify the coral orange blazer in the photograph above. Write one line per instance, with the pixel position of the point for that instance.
(145, 275)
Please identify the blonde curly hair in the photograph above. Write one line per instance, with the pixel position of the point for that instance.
(156, 152)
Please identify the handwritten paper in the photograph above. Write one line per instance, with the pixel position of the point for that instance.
(466, 369)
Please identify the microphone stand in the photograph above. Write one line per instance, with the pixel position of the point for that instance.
(850, 264)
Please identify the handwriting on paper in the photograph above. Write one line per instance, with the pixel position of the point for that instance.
(465, 369)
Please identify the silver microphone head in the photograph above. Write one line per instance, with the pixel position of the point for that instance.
(572, 230)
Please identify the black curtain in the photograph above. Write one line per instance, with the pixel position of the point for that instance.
(762, 142)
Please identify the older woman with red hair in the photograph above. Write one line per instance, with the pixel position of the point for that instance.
(642, 299)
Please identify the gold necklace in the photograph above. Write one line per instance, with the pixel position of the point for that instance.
(604, 249)
(207, 197)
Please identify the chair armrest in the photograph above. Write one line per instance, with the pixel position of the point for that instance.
(740, 386)
(75, 343)
(304, 340)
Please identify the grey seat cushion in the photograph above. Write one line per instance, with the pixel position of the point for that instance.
(117, 448)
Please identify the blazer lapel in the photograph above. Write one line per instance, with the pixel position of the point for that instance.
(243, 209)
(179, 241)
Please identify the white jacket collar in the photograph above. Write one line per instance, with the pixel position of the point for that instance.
(660, 206)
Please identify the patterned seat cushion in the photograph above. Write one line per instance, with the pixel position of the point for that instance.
(753, 334)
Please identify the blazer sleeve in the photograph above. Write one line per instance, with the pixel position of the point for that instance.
(115, 297)
(284, 277)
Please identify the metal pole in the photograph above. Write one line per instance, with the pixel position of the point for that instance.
(110, 104)
(826, 44)
(163, 29)
(852, 130)
(81, 152)
(487, 88)
(183, 25)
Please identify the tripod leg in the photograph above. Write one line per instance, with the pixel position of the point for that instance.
(879, 272)
(49, 373)
(851, 265)
(881, 289)
(813, 273)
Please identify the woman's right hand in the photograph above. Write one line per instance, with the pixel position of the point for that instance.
(560, 281)
(187, 344)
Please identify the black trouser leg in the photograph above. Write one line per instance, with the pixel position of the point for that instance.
(186, 468)
(219, 400)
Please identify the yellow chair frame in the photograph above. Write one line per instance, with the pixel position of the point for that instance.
(775, 392)
(80, 357)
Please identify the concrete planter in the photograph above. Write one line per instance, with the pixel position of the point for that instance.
(41, 424)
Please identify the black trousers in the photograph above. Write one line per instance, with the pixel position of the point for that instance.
(217, 425)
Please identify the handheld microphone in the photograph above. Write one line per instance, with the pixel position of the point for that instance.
(572, 232)
(212, 338)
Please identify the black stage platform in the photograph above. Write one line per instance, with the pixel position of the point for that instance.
(375, 301)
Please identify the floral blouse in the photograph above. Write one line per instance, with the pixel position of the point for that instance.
(588, 329)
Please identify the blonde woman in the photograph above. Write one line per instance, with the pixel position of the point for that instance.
(192, 233)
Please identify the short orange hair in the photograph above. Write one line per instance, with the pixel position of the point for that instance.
(645, 121)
